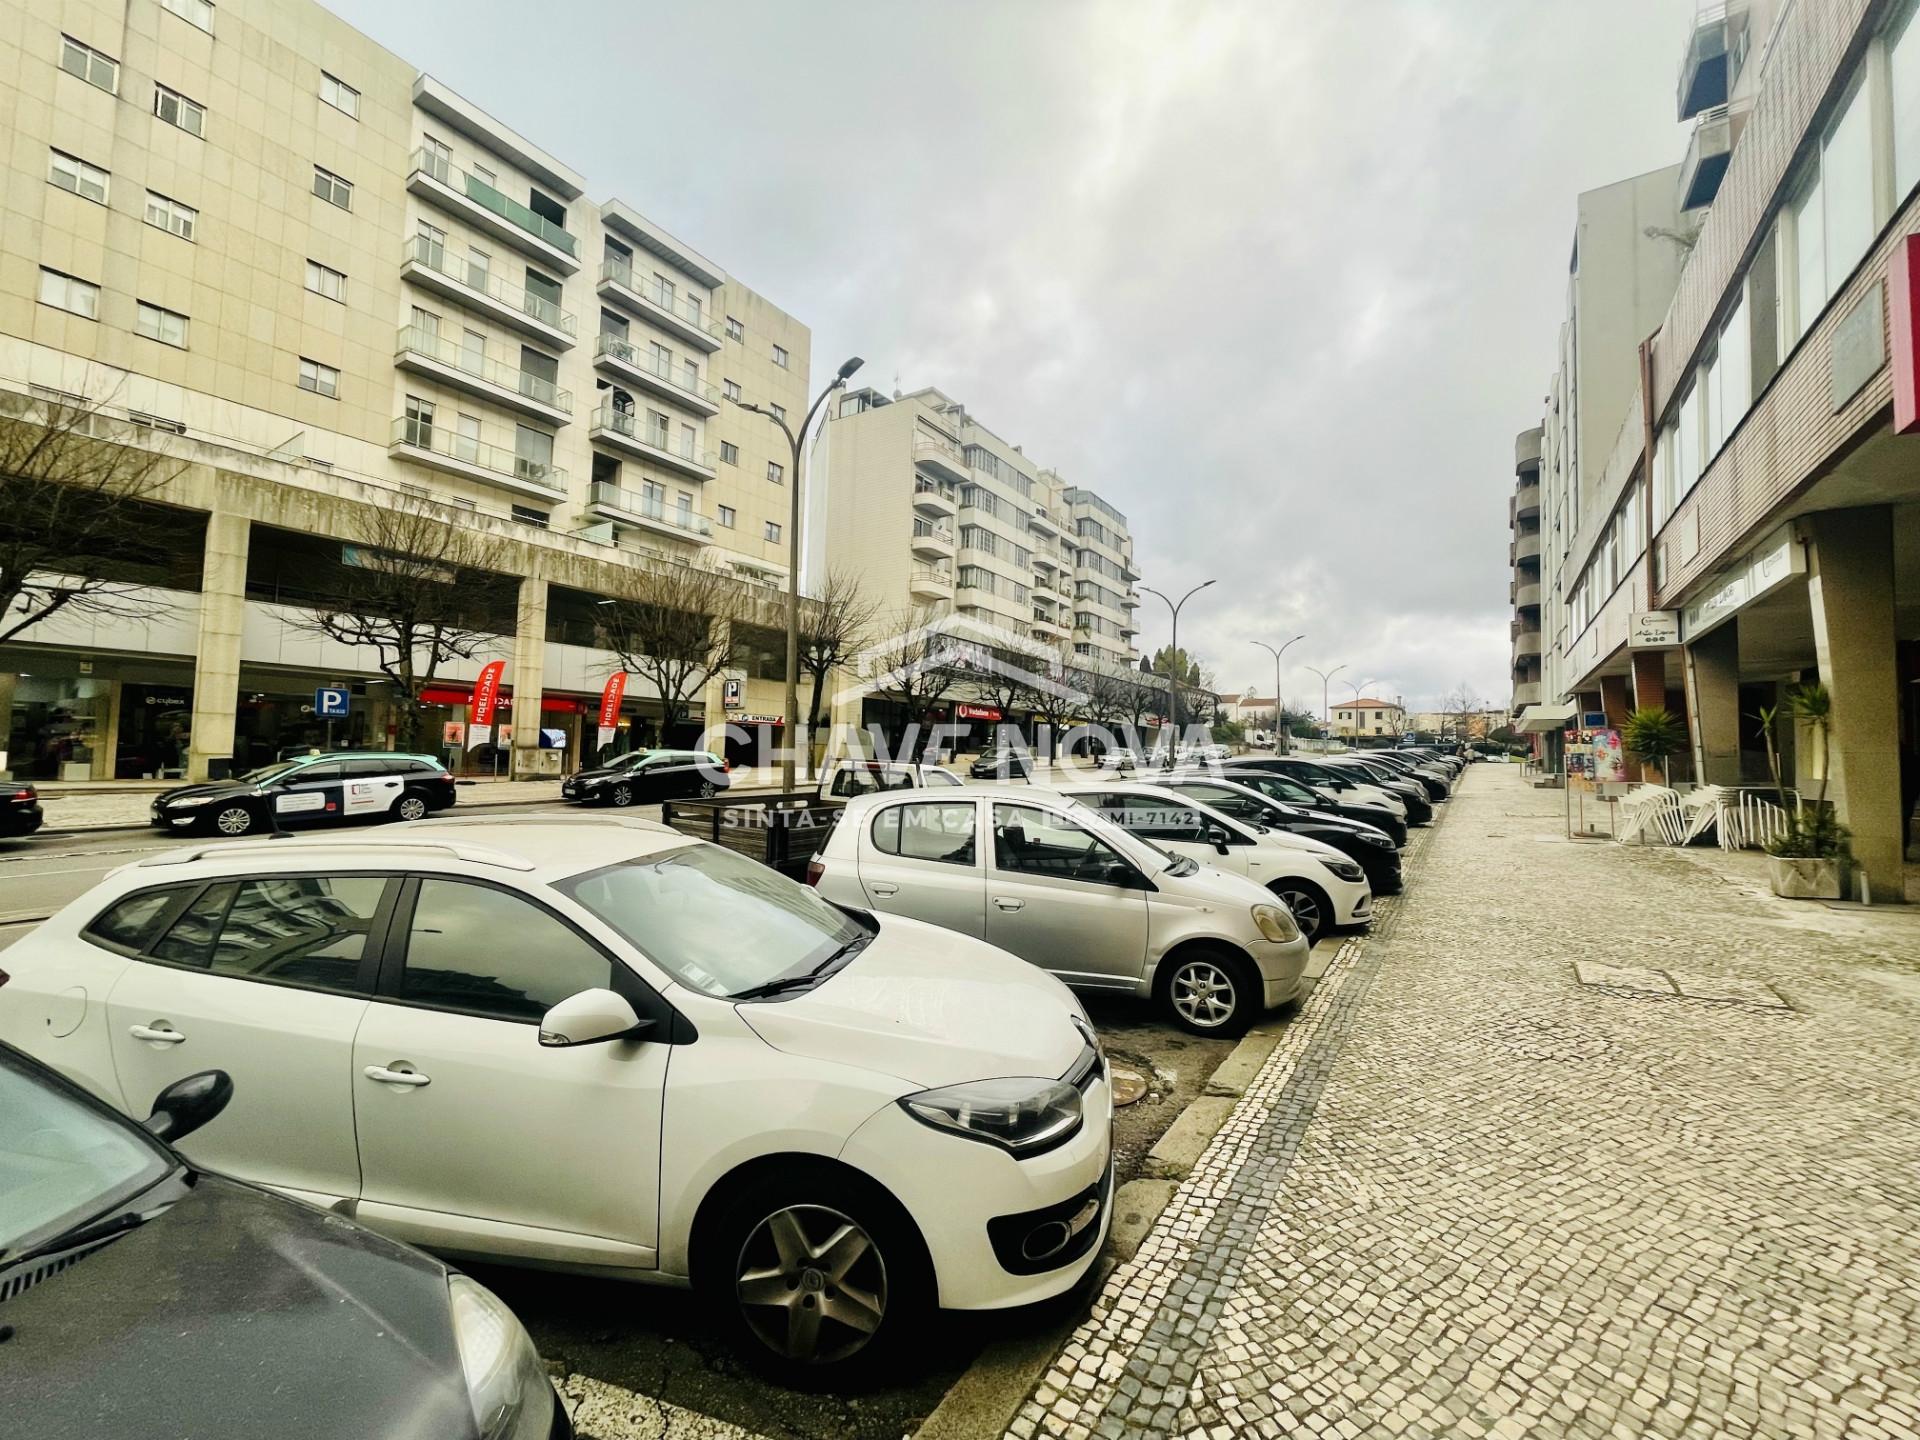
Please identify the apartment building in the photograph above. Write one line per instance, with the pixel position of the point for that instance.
(938, 515)
(328, 281)
(1369, 719)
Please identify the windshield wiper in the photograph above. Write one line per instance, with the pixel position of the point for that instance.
(73, 1239)
(806, 979)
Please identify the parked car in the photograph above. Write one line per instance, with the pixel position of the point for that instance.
(643, 776)
(1371, 849)
(1319, 886)
(1409, 792)
(824, 1119)
(1409, 802)
(846, 778)
(314, 789)
(1405, 782)
(1120, 757)
(148, 1296)
(20, 812)
(1437, 779)
(1038, 874)
(1314, 800)
(1002, 762)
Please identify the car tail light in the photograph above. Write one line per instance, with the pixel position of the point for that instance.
(445, 776)
(25, 792)
(814, 871)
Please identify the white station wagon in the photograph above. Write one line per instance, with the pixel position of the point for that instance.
(592, 1043)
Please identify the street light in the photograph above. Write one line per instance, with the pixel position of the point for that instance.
(1279, 729)
(1356, 703)
(796, 732)
(1173, 662)
(1326, 678)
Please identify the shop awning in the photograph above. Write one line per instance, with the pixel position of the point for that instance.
(1536, 719)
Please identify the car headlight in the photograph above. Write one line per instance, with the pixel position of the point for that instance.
(1276, 923)
(506, 1383)
(1022, 1116)
(1380, 841)
(189, 803)
(1346, 869)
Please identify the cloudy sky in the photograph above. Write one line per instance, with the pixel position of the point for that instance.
(1280, 279)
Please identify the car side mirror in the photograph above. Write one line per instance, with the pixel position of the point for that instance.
(591, 1018)
(189, 1103)
(1218, 837)
(1123, 875)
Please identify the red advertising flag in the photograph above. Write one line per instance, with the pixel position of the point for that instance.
(610, 697)
(486, 692)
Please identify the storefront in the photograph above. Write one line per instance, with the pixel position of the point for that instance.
(68, 717)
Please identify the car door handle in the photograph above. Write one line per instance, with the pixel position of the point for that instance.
(164, 1037)
(1007, 904)
(395, 1077)
(880, 889)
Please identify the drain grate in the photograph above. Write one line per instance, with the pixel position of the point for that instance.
(1677, 984)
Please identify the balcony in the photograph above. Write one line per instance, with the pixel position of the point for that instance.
(943, 459)
(431, 266)
(1526, 500)
(1043, 561)
(1526, 595)
(1044, 525)
(679, 315)
(648, 512)
(1707, 155)
(427, 354)
(931, 582)
(1048, 627)
(1526, 693)
(933, 498)
(425, 443)
(618, 358)
(1708, 67)
(932, 539)
(1526, 548)
(623, 430)
(439, 182)
(1526, 450)
(1526, 646)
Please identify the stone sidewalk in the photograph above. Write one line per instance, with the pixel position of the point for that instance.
(1470, 1195)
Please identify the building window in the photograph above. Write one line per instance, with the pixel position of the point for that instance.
(325, 280)
(194, 12)
(779, 412)
(731, 389)
(780, 356)
(172, 216)
(729, 452)
(89, 182)
(772, 532)
(169, 327)
(156, 422)
(727, 515)
(527, 515)
(776, 473)
(1903, 68)
(64, 292)
(340, 95)
(735, 330)
(320, 379)
(89, 64)
(332, 189)
(177, 110)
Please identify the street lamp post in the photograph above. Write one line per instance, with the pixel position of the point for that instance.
(1173, 662)
(796, 732)
(1279, 728)
(1356, 703)
(1326, 680)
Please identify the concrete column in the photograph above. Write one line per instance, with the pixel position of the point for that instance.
(1713, 704)
(1850, 589)
(216, 667)
(1616, 699)
(1649, 690)
(7, 682)
(528, 676)
(106, 754)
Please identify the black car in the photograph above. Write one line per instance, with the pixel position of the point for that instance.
(1438, 782)
(20, 812)
(642, 776)
(1322, 774)
(1316, 801)
(1403, 782)
(146, 1297)
(1371, 849)
(1002, 763)
(313, 789)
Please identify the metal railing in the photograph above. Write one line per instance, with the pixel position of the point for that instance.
(433, 255)
(924, 486)
(489, 197)
(682, 307)
(936, 574)
(612, 347)
(926, 529)
(651, 507)
(624, 422)
(494, 372)
(426, 435)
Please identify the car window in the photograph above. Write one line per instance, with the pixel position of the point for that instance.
(361, 769)
(328, 774)
(127, 922)
(308, 930)
(418, 767)
(940, 777)
(927, 830)
(1031, 841)
(1228, 802)
(474, 948)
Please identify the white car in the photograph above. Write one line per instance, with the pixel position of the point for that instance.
(1034, 872)
(591, 1043)
(1320, 886)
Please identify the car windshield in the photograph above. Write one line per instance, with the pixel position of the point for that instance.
(716, 921)
(61, 1162)
(270, 772)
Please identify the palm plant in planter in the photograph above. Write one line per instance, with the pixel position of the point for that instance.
(1808, 859)
(1654, 735)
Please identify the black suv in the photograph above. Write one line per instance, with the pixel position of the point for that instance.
(313, 789)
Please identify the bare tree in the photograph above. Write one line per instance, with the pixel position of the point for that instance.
(835, 626)
(665, 625)
(1459, 706)
(422, 586)
(915, 662)
(75, 516)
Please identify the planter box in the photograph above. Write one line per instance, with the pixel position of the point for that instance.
(1805, 879)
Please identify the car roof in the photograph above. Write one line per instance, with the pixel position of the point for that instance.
(1045, 793)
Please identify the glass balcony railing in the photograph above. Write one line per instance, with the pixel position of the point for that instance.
(423, 434)
(612, 347)
(651, 507)
(432, 255)
(510, 377)
(682, 307)
(625, 422)
(488, 197)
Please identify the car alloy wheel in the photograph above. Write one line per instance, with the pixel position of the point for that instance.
(707, 788)
(622, 794)
(1309, 910)
(233, 820)
(410, 807)
(811, 1285)
(1202, 993)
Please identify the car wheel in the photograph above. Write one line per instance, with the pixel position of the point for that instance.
(409, 807)
(234, 820)
(816, 1278)
(1210, 992)
(708, 788)
(1312, 911)
(621, 794)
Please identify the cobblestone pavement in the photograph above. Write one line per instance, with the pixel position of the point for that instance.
(1470, 1195)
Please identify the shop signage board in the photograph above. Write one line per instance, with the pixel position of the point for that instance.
(1759, 573)
(331, 702)
(976, 712)
(759, 720)
(1653, 630)
(732, 694)
(1903, 308)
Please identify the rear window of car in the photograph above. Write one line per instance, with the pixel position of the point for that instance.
(130, 921)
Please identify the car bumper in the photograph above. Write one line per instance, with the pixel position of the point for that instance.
(21, 819)
(1352, 902)
(1282, 965)
(953, 1193)
(1383, 871)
